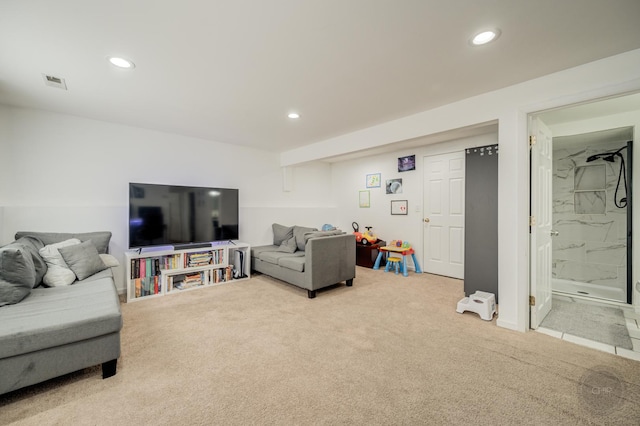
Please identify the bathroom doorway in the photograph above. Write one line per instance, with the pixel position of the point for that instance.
(592, 222)
(592, 226)
(591, 215)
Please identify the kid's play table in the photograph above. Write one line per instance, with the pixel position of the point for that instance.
(404, 251)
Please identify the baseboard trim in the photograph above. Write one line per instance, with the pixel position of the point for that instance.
(507, 324)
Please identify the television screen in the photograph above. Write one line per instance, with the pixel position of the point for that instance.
(161, 215)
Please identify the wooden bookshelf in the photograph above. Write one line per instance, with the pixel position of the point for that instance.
(153, 273)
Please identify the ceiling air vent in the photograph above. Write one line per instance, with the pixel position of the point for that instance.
(52, 81)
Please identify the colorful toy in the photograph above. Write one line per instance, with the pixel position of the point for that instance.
(356, 229)
(369, 236)
(400, 243)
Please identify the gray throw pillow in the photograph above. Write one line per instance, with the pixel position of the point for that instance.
(33, 245)
(21, 269)
(281, 233)
(298, 232)
(288, 246)
(83, 259)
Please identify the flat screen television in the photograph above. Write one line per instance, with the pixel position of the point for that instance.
(171, 215)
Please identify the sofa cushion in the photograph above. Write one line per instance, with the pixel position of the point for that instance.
(21, 269)
(295, 263)
(83, 259)
(298, 232)
(52, 317)
(34, 245)
(58, 272)
(100, 239)
(281, 233)
(275, 256)
(255, 251)
(288, 246)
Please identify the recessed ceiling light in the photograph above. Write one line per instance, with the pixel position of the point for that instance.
(293, 115)
(121, 62)
(485, 37)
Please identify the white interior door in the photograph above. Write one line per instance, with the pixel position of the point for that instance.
(541, 205)
(444, 214)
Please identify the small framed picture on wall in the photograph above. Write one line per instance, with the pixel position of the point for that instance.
(394, 186)
(364, 199)
(406, 163)
(399, 207)
(373, 180)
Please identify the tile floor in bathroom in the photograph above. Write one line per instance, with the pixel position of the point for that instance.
(633, 326)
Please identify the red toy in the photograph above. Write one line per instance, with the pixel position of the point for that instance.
(356, 229)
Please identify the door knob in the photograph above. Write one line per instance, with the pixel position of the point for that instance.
(554, 233)
(426, 219)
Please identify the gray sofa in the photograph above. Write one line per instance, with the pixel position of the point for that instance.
(307, 258)
(47, 332)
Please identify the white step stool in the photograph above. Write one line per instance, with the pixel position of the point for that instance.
(480, 302)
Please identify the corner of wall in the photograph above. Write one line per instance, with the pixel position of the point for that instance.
(509, 325)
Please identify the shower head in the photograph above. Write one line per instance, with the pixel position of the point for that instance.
(610, 157)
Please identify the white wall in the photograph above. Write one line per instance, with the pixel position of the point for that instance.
(68, 174)
(510, 106)
(308, 202)
(349, 178)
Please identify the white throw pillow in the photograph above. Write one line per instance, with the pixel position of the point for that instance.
(58, 273)
(109, 260)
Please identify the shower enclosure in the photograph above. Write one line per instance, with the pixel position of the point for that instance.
(592, 215)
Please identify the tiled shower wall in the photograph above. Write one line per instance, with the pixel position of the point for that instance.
(591, 242)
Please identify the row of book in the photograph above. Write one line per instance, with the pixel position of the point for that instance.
(147, 286)
(151, 266)
(204, 258)
(222, 275)
(184, 281)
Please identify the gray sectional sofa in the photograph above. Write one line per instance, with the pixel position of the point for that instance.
(46, 332)
(307, 258)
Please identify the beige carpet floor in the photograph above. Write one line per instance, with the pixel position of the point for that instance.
(389, 350)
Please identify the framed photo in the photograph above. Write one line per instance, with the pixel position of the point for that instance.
(394, 186)
(406, 163)
(399, 207)
(373, 180)
(365, 199)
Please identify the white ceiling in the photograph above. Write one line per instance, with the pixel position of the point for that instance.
(230, 70)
